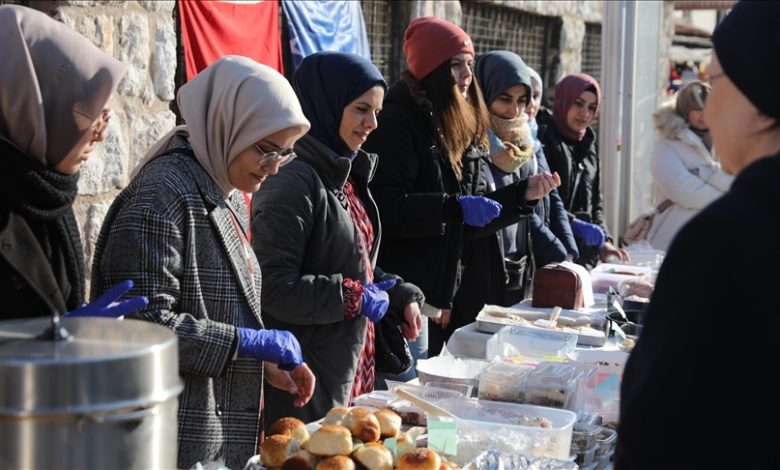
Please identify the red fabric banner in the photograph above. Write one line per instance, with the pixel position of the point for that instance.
(212, 29)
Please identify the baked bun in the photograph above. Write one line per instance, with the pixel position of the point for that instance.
(292, 427)
(389, 422)
(362, 424)
(301, 460)
(403, 445)
(329, 440)
(335, 415)
(447, 465)
(420, 459)
(276, 449)
(374, 456)
(338, 462)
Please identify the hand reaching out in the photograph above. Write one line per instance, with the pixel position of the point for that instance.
(540, 185)
(299, 382)
(413, 321)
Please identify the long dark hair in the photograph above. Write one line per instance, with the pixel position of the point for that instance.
(462, 121)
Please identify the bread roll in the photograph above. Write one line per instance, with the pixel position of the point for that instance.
(389, 422)
(362, 424)
(374, 456)
(403, 445)
(420, 459)
(292, 427)
(338, 462)
(275, 450)
(335, 415)
(329, 440)
(301, 460)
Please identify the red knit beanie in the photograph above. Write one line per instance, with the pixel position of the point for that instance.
(430, 41)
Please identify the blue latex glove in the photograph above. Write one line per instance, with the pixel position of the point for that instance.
(277, 346)
(107, 306)
(478, 211)
(375, 300)
(591, 234)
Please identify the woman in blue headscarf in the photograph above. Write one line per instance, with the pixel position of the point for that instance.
(507, 86)
(316, 234)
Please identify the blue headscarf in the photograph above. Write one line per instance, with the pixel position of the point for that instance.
(532, 122)
(497, 71)
(326, 82)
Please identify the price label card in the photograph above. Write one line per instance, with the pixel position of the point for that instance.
(443, 435)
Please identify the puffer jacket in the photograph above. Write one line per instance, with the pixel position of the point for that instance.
(578, 164)
(684, 172)
(307, 245)
(416, 189)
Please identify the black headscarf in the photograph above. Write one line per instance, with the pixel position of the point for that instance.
(326, 82)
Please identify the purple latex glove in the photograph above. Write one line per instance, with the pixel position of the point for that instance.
(591, 234)
(277, 346)
(107, 306)
(478, 211)
(375, 300)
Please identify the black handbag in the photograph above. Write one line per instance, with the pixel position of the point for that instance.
(391, 351)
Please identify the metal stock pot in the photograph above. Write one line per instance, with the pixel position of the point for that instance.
(104, 397)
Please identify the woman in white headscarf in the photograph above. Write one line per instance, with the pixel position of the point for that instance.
(55, 86)
(180, 230)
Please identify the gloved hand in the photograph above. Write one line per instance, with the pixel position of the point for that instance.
(107, 306)
(277, 346)
(591, 234)
(478, 211)
(375, 301)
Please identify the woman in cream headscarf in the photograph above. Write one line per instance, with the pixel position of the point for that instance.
(180, 230)
(54, 92)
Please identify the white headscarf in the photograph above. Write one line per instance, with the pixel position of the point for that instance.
(230, 105)
(53, 84)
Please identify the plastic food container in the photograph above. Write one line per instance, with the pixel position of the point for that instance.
(605, 441)
(607, 275)
(528, 341)
(603, 461)
(502, 381)
(584, 457)
(494, 425)
(448, 369)
(552, 384)
(584, 436)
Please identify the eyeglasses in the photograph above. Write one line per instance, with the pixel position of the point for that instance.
(712, 78)
(271, 158)
(100, 125)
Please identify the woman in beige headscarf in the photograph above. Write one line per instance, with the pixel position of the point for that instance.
(54, 92)
(179, 230)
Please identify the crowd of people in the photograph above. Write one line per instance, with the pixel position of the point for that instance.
(380, 215)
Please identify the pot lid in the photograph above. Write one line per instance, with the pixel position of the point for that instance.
(105, 365)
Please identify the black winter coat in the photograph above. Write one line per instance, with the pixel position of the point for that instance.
(416, 189)
(707, 355)
(579, 167)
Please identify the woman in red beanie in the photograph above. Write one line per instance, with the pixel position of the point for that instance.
(570, 146)
(440, 229)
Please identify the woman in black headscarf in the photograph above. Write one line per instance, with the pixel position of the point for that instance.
(316, 233)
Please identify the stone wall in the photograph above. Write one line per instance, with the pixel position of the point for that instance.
(142, 35)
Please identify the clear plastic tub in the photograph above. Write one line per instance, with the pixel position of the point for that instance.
(602, 462)
(552, 384)
(584, 436)
(528, 341)
(606, 440)
(494, 425)
(585, 457)
(607, 275)
(503, 381)
(448, 369)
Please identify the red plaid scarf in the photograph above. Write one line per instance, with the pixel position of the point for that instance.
(364, 377)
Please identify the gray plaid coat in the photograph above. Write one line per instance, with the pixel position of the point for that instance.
(170, 231)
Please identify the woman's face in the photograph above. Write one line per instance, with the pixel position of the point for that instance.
(359, 117)
(461, 66)
(582, 111)
(510, 103)
(732, 119)
(536, 101)
(80, 153)
(245, 172)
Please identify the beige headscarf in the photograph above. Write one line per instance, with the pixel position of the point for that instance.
(229, 106)
(53, 84)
